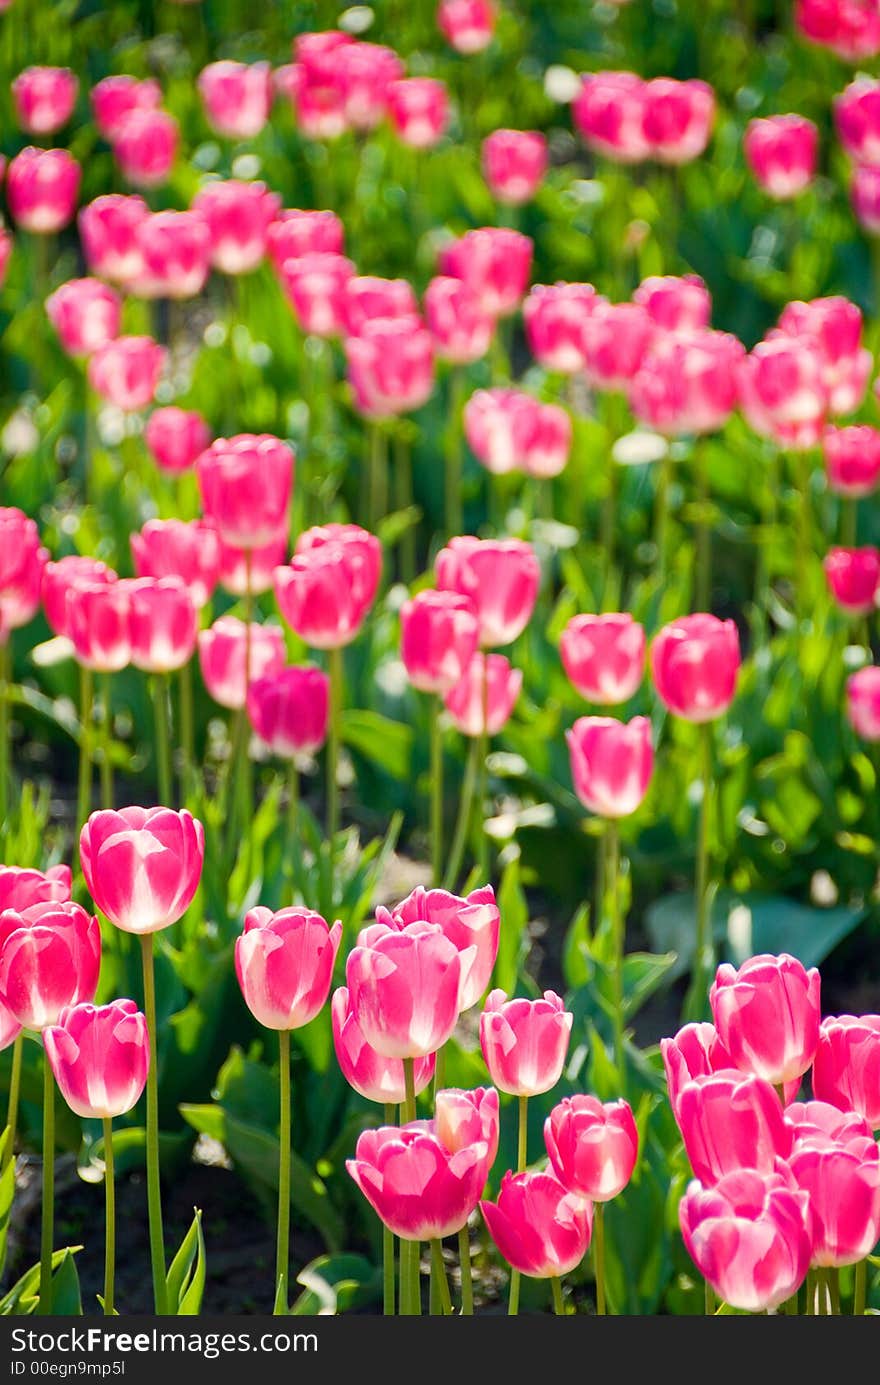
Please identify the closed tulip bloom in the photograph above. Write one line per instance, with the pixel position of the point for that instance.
(419, 111)
(315, 288)
(114, 98)
(417, 1187)
(695, 1051)
(846, 1068)
(145, 146)
(852, 459)
(782, 152)
(842, 1179)
(514, 164)
(238, 216)
(99, 1055)
(678, 304)
(812, 1121)
(369, 296)
(604, 656)
(109, 229)
(44, 98)
(188, 550)
(853, 576)
(296, 232)
(236, 97)
(540, 1228)
(464, 1117)
(694, 664)
(438, 638)
(23, 886)
(50, 955)
(284, 964)
(176, 438)
(499, 576)
(390, 366)
(459, 325)
(483, 700)
(176, 251)
(863, 702)
(222, 654)
(371, 1074)
(126, 371)
(42, 186)
(326, 591)
(609, 114)
(611, 763)
(142, 865)
(472, 924)
(245, 484)
(164, 624)
(834, 326)
(783, 391)
(592, 1147)
(616, 338)
(749, 1236)
(99, 624)
(865, 197)
(468, 25)
(525, 1042)
(677, 119)
(495, 263)
(554, 316)
(730, 1121)
(687, 382)
(318, 104)
(404, 983)
(509, 430)
(85, 313)
(857, 118)
(365, 72)
(22, 562)
(254, 568)
(288, 710)
(767, 1015)
(850, 28)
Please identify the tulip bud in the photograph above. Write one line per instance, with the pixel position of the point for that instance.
(592, 1147)
(404, 983)
(245, 484)
(176, 438)
(126, 372)
(236, 97)
(499, 576)
(514, 164)
(44, 98)
(330, 584)
(289, 710)
(284, 964)
(482, 701)
(767, 1015)
(238, 216)
(525, 1042)
(145, 146)
(222, 654)
(99, 1057)
(85, 313)
(853, 578)
(22, 563)
(694, 665)
(846, 1067)
(438, 638)
(781, 152)
(540, 1228)
(419, 111)
(371, 1074)
(50, 955)
(42, 186)
(164, 624)
(142, 865)
(852, 459)
(604, 657)
(611, 763)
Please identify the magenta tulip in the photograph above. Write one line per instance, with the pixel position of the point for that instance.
(374, 1076)
(236, 97)
(460, 326)
(731, 1121)
(176, 254)
(85, 313)
(44, 98)
(284, 964)
(592, 1147)
(289, 709)
(540, 1228)
(22, 886)
(109, 229)
(853, 576)
(472, 924)
(554, 316)
(185, 549)
(142, 865)
(514, 163)
(468, 25)
(22, 563)
(326, 591)
(314, 285)
(677, 304)
(782, 151)
(115, 97)
(863, 702)
(50, 955)
(499, 576)
(852, 459)
(420, 1190)
(99, 1055)
(525, 1042)
(42, 186)
(145, 146)
(223, 655)
(482, 701)
(98, 619)
(604, 657)
(246, 483)
(611, 763)
(390, 366)
(767, 1015)
(404, 983)
(126, 372)
(495, 263)
(296, 232)
(438, 638)
(238, 216)
(164, 624)
(846, 1068)
(694, 664)
(418, 108)
(695, 1051)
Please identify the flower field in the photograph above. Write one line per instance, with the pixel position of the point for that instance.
(439, 665)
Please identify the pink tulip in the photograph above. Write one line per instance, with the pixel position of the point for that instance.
(609, 114)
(404, 983)
(694, 664)
(495, 263)
(554, 316)
(126, 372)
(695, 1051)
(767, 1015)
(509, 430)
(145, 147)
(463, 1117)
(9, 1026)
(222, 655)
(85, 313)
(834, 325)
(525, 1042)
(850, 28)
(677, 119)
(254, 568)
(863, 702)
(616, 338)
(471, 924)
(749, 1236)
(604, 657)
(115, 98)
(187, 550)
(390, 366)
(459, 325)
(611, 763)
(592, 1147)
(419, 111)
(514, 164)
(246, 484)
(22, 562)
(315, 288)
(238, 216)
(98, 623)
(289, 710)
(284, 964)
(846, 1068)
(375, 1077)
(236, 97)
(783, 392)
(438, 638)
(315, 91)
(365, 72)
(142, 866)
(687, 382)
(109, 229)
(368, 296)
(44, 98)
(294, 233)
(421, 1190)
(176, 438)
(852, 459)
(731, 1121)
(99, 1055)
(853, 578)
(176, 252)
(782, 152)
(482, 702)
(164, 624)
(50, 955)
(676, 304)
(540, 1228)
(42, 186)
(468, 25)
(499, 576)
(326, 591)
(22, 886)
(842, 1179)
(865, 197)
(816, 1120)
(857, 118)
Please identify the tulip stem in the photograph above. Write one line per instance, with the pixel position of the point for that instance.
(378, 475)
(187, 736)
(467, 1281)
(558, 1302)
(388, 1287)
(439, 1071)
(163, 739)
(4, 740)
(703, 941)
(438, 1277)
(334, 668)
(48, 1223)
(403, 500)
(834, 1290)
(436, 777)
(860, 1289)
(84, 787)
(14, 1089)
(453, 475)
(612, 885)
(702, 588)
(599, 1256)
(708, 1299)
(464, 815)
(282, 1267)
(246, 781)
(661, 514)
(293, 857)
(849, 518)
(106, 732)
(522, 1150)
(154, 1191)
(482, 838)
(804, 540)
(110, 1218)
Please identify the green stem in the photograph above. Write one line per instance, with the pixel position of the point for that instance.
(282, 1258)
(661, 514)
(708, 1300)
(154, 1191)
(766, 540)
(48, 1221)
(521, 1161)
(703, 584)
(84, 786)
(106, 732)
(467, 1282)
(14, 1089)
(378, 475)
(849, 519)
(292, 864)
(860, 1289)
(436, 790)
(163, 738)
(599, 1255)
(607, 530)
(403, 500)
(834, 1290)
(558, 1302)
(388, 1294)
(804, 535)
(453, 865)
(703, 953)
(4, 742)
(334, 661)
(246, 779)
(110, 1218)
(439, 1280)
(453, 453)
(612, 886)
(187, 735)
(482, 837)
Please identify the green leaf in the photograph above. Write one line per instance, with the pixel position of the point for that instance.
(24, 1296)
(577, 965)
(513, 935)
(643, 974)
(387, 743)
(7, 1190)
(185, 1282)
(337, 1284)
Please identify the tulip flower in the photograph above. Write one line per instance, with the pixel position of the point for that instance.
(44, 98)
(504, 602)
(419, 111)
(246, 484)
(468, 25)
(288, 710)
(834, 327)
(369, 297)
(781, 151)
(187, 550)
(21, 887)
(22, 562)
(525, 1042)
(604, 657)
(460, 327)
(677, 118)
(495, 263)
(238, 216)
(767, 1015)
(611, 763)
(471, 923)
(176, 253)
(616, 338)
(609, 114)
(297, 232)
(480, 704)
(783, 391)
(731, 1121)
(109, 230)
(686, 382)
(514, 163)
(846, 1067)
(314, 285)
(842, 1179)
(365, 72)
(284, 964)
(374, 1076)
(509, 430)
(695, 1051)
(694, 665)
(675, 304)
(145, 146)
(865, 197)
(126, 372)
(852, 459)
(404, 983)
(42, 186)
(554, 316)
(86, 314)
(819, 1120)
(857, 118)
(390, 366)
(853, 578)
(541, 1229)
(236, 97)
(115, 97)
(848, 28)
(223, 652)
(863, 702)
